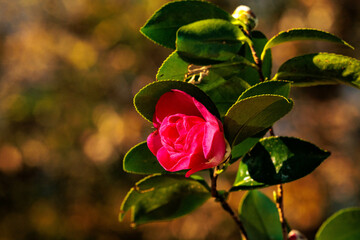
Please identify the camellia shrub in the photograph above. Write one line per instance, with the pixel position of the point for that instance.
(213, 103)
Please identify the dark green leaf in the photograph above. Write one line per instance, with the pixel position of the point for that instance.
(252, 115)
(163, 25)
(173, 68)
(343, 225)
(164, 197)
(276, 160)
(140, 160)
(260, 217)
(321, 69)
(145, 100)
(213, 39)
(302, 34)
(281, 88)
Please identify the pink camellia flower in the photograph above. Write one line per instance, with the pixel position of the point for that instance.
(187, 135)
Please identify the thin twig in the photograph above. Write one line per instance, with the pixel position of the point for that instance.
(225, 205)
(280, 207)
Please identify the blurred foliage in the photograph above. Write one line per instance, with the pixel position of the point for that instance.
(68, 72)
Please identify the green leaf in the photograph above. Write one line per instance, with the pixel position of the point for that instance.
(251, 75)
(343, 225)
(276, 160)
(252, 115)
(222, 92)
(164, 197)
(145, 100)
(302, 34)
(281, 88)
(163, 25)
(243, 180)
(321, 69)
(243, 147)
(174, 68)
(140, 160)
(260, 217)
(213, 39)
(218, 81)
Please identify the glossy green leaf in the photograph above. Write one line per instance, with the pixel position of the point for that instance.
(276, 160)
(243, 180)
(145, 100)
(302, 34)
(140, 160)
(173, 68)
(343, 225)
(252, 115)
(163, 25)
(260, 217)
(321, 69)
(176, 68)
(275, 87)
(164, 197)
(213, 39)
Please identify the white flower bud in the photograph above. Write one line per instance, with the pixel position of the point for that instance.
(244, 14)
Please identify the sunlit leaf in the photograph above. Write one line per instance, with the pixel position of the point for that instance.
(145, 100)
(321, 69)
(214, 39)
(276, 160)
(252, 115)
(260, 217)
(173, 68)
(301, 34)
(140, 160)
(164, 197)
(343, 225)
(163, 25)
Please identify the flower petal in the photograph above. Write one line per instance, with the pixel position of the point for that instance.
(154, 142)
(174, 102)
(172, 164)
(214, 145)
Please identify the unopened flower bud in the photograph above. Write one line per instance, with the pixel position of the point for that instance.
(244, 14)
(296, 235)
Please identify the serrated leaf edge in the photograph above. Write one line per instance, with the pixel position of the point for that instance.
(260, 83)
(300, 29)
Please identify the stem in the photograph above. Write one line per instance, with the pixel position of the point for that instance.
(280, 207)
(279, 195)
(225, 205)
(257, 60)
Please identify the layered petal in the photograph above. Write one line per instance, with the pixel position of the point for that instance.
(174, 102)
(154, 142)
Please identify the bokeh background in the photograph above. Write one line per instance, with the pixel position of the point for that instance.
(68, 72)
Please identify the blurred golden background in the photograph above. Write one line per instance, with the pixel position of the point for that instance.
(69, 70)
